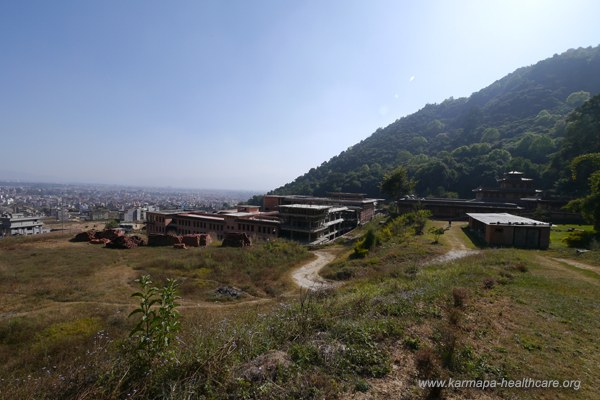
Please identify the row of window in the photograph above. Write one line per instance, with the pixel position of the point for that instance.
(198, 224)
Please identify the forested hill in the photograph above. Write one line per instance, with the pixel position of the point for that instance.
(516, 123)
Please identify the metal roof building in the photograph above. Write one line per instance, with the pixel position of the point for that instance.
(502, 229)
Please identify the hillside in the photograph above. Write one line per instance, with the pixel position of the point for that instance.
(518, 122)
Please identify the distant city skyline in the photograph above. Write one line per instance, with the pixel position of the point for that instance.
(245, 95)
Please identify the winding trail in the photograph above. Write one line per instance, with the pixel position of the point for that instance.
(307, 276)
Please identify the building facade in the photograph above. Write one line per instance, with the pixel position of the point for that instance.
(502, 229)
(313, 224)
(20, 224)
(305, 219)
(245, 219)
(511, 188)
(362, 209)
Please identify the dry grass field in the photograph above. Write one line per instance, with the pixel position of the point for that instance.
(401, 313)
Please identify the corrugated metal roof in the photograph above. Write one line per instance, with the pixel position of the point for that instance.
(505, 219)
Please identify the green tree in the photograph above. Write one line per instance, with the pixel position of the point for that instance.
(588, 206)
(576, 99)
(396, 183)
(490, 135)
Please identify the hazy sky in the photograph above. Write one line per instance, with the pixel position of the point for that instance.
(244, 94)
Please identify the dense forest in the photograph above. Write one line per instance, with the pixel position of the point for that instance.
(535, 120)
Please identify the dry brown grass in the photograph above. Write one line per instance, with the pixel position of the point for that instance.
(55, 295)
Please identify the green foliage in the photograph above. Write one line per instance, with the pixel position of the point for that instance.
(588, 206)
(576, 99)
(580, 239)
(158, 323)
(490, 135)
(256, 200)
(581, 138)
(362, 247)
(418, 219)
(111, 224)
(436, 232)
(396, 183)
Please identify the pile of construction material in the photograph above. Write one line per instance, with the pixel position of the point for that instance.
(110, 234)
(111, 238)
(87, 236)
(163, 240)
(99, 241)
(234, 239)
(126, 242)
(196, 240)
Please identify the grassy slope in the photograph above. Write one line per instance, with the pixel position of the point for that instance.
(523, 315)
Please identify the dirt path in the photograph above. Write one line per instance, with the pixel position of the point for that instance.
(455, 239)
(578, 264)
(559, 264)
(307, 276)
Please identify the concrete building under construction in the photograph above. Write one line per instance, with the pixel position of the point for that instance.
(306, 219)
(244, 219)
(21, 224)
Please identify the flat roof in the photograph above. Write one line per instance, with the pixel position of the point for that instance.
(215, 218)
(306, 206)
(505, 219)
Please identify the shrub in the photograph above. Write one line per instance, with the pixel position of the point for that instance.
(362, 248)
(459, 295)
(436, 232)
(580, 239)
(520, 266)
(412, 343)
(489, 283)
(426, 364)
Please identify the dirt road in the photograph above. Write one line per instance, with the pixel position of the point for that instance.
(307, 276)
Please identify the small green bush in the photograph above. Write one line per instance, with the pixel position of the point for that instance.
(362, 248)
(581, 239)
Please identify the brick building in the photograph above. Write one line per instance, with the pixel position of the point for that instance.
(245, 219)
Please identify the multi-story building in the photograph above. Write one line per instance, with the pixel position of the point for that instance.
(314, 224)
(245, 219)
(513, 187)
(362, 209)
(136, 214)
(305, 219)
(20, 224)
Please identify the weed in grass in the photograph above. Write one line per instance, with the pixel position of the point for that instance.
(519, 266)
(361, 386)
(489, 283)
(455, 317)
(412, 343)
(428, 367)
(154, 334)
(460, 295)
